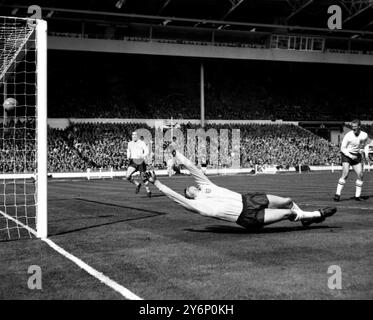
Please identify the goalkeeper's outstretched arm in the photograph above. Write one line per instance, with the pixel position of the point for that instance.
(194, 171)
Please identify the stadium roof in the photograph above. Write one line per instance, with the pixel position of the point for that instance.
(259, 15)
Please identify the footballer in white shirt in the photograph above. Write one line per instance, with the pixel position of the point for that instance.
(249, 210)
(136, 153)
(352, 152)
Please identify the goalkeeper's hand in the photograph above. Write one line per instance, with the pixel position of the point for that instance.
(150, 176)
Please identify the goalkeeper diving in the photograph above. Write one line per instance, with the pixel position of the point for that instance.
(249, 210)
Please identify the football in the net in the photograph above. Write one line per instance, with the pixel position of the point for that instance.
(9, 104)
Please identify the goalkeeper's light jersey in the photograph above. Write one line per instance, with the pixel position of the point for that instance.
(352, 143)
(212, 201)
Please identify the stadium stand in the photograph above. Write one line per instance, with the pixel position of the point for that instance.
(103, 146)
(368, 129)
(17, 144)
(153, 87)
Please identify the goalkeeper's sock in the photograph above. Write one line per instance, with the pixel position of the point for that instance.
(294, 207)
(301, 215)
(297, 212)
(308, 215)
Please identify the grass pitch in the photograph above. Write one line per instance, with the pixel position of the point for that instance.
(158, 250)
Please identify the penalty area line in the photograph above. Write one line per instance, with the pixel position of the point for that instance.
(81, 264)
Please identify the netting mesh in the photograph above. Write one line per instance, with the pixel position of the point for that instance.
(18, 90)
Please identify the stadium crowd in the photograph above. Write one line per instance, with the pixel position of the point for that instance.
(286, 146)
(96, 146)
(83, 146)
(258, 105)
(17, 145)
(103, 146)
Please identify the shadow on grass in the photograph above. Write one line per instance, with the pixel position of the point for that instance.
(240, 230)
(155, 196)
(151, 215)
(366, 197)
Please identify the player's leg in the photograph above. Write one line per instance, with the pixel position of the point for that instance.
(276, 202)
(169, 171)
(176, 169)
(146, 183)
(280, 208)
(170, 163)
(257, 218)
(129, 176)
(305, 217)
(261, 209)
(342, 180)
(276, 215)
(142, 169)
(358, 168)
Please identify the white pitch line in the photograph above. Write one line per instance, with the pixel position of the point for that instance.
(93, 272)
(360, 208)
(342, 207)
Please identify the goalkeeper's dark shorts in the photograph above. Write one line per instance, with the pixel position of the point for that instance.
(252, 215)
(352, 162)
(141, 167)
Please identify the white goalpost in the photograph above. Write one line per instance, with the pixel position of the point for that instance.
(23, 131)
(41, 131)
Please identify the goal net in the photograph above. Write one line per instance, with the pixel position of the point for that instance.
(23, 128)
